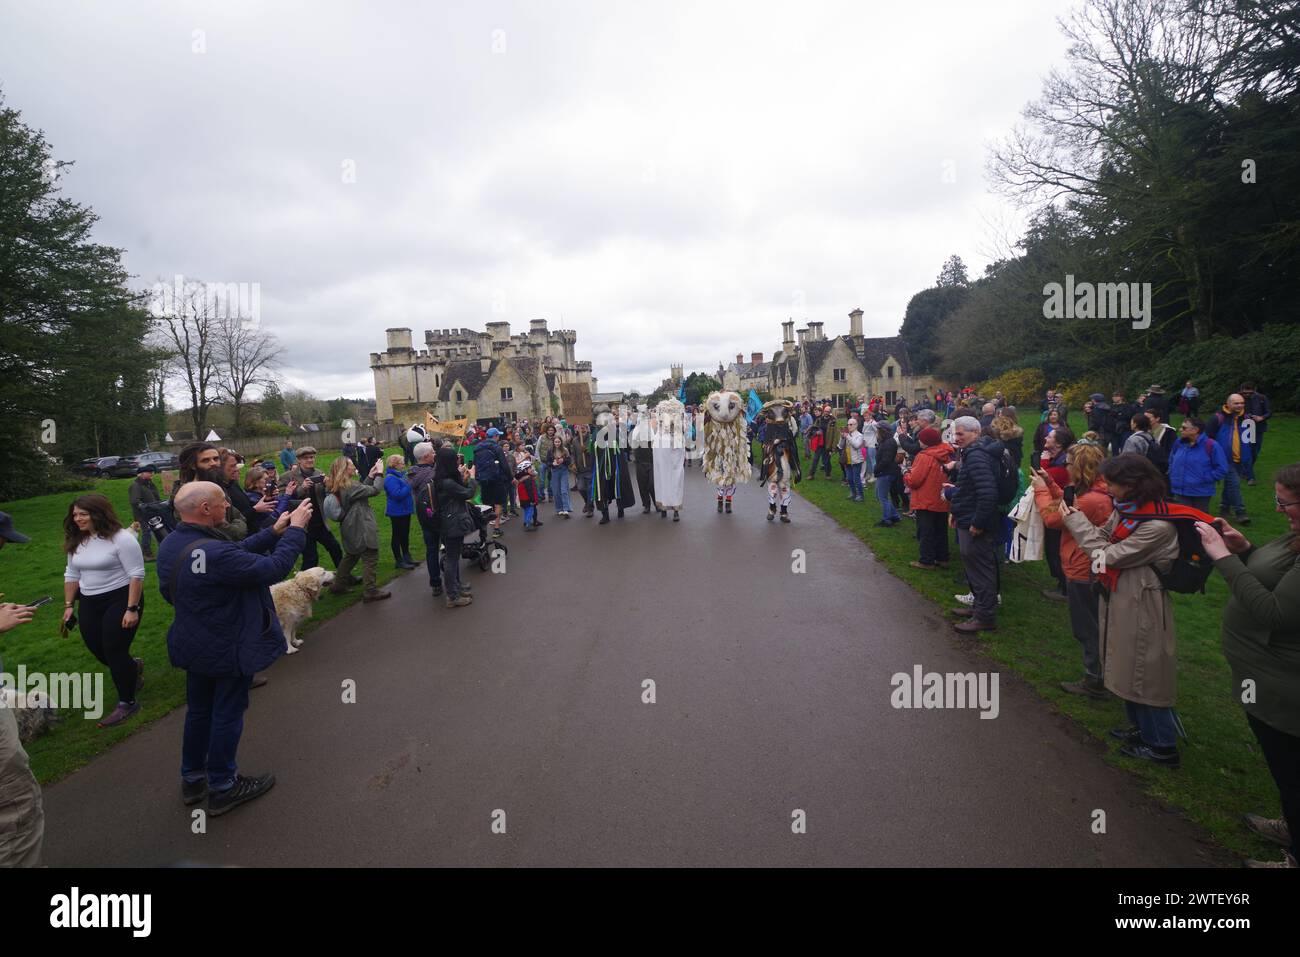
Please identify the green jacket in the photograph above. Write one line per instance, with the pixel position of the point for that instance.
(359, 529)
(1261, 631)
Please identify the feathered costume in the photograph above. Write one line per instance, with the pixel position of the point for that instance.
(726, 446)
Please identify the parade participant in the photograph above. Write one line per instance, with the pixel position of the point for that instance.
(643, 459)
(780, 458)
(669, 485)
(611, 478)
(726, 445)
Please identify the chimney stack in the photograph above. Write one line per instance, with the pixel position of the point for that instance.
(740, 358)
(803, 337)
(758, 358)
(787, 336)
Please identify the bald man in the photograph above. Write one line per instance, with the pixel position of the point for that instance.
(225, 630)
(1234, 430)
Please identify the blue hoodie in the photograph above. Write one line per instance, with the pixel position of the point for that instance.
(1194, 470)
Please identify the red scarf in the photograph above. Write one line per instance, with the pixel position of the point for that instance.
(1125, 527)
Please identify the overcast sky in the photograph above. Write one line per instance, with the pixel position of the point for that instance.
(672, 180)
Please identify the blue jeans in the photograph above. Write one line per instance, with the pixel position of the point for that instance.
(821, 455)
(855, 479)
(431, 542)
(883, 484)
(1157, 724)
(530, 515)
(871, 459)
(214, 721)
(560, 489)
(544, 474)
(1231, 496)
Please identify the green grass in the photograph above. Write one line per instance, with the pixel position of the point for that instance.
(1223, 772)
(33, 570)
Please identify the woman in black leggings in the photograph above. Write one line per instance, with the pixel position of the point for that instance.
(106, 572)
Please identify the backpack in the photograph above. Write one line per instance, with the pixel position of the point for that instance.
(1155, 453)
(1008, 479)
(1192, 568)
(332, 505)
(486, 466)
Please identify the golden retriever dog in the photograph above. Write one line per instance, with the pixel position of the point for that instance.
(293, 600)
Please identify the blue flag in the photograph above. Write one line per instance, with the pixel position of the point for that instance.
(752, 406)
(681, 393)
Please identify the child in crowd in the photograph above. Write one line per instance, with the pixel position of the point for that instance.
(527, 488)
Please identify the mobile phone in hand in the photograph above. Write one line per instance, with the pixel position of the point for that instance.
(1068, 495)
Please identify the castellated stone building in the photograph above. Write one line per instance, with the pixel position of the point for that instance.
(490, 376)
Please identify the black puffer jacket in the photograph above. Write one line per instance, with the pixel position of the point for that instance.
(887, 458)
(975, 503)
(454, 519)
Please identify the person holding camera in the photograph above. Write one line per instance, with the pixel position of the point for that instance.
(1262, 646)
(1085, 491)
(142, 492)
(225, 630)
(309, 485)
(454, 487)
(22, 814)
(1136, 613)
(357, 525)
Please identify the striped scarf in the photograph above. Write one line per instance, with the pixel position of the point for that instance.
(1110, 577)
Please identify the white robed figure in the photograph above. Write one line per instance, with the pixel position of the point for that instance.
(670, 457)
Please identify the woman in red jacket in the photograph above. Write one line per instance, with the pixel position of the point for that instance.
(1083, 462)
(925, 478)
(1052, 458)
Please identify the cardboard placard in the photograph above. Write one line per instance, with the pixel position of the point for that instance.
(451, 429)
(575, 401)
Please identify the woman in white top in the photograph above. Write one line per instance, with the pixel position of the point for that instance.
(106, 572)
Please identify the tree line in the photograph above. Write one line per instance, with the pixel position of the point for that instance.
(1164, 156)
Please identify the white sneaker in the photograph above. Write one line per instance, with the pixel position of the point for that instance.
(969, 598)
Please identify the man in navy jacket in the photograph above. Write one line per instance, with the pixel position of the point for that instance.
(974, 513)
(225, 630)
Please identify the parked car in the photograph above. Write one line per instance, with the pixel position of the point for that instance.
(97, 467)
(126, 467)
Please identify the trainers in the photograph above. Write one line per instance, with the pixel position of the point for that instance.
(969, 598)
(460, 602)
(1287, 861)
(1168, 757)
(972, 626)
(1131, 735)
(377, 595)
(120, 714)
(1270, 829)
(192, 792)
(241, 792)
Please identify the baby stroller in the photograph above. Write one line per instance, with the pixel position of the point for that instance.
(481, 550)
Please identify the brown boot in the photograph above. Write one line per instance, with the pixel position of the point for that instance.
(1092, 687)
(974, 626)
(1270, 829)
(377, 595)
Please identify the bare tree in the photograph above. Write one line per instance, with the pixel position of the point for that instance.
(188, 325)
(245, 356)
(1120, 133)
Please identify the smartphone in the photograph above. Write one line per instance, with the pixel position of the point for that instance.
(1068, 495)
(44, 601)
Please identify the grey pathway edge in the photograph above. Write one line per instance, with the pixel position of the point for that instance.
(772, 695)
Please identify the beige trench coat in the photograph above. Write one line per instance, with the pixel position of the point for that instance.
(1139, 658)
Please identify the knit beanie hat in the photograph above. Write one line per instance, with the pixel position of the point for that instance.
(929, 437)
